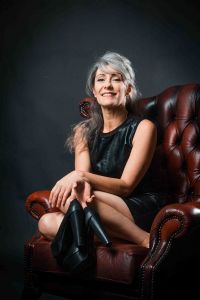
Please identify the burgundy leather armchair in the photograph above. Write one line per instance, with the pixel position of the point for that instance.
(129, 271)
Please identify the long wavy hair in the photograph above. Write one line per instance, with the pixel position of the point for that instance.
(95, 123)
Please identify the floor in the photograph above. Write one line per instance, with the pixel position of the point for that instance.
(11, 281)
(15, 228)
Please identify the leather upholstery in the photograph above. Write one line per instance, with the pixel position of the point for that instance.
(119, 264)
(175, 170)
(176, 111)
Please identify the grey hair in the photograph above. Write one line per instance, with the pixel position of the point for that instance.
(95, 123)
(118, 62)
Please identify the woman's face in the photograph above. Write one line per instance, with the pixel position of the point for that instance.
(109, 88)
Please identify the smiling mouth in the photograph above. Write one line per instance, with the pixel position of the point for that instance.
(108, 94)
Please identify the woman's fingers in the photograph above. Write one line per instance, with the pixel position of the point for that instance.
(54, 194)
(64, 206)
(90, 199)
(66, 196)
(73, 192)
(60, 196)
(83, 192)
(87, 193)
(51, 195)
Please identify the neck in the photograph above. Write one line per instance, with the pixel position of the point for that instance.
(112, 119)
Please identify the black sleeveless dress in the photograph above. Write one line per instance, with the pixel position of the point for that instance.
(109, 153)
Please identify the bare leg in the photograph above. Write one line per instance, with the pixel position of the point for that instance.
(114, 214)
(118, 220)
(49, 224)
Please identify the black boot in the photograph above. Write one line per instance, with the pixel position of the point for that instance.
(82, 259)
(76, 260)
(71, 231)
(93, 222)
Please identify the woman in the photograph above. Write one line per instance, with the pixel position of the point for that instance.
(113, 151)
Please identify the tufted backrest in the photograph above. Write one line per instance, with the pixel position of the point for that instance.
(175, 168)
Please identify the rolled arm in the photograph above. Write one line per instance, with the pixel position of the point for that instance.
(37, 204)
(173, 223)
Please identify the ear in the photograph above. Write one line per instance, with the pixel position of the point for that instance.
(93, 92)
(129, 89)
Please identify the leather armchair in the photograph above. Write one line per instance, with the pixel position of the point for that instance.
(129, 271)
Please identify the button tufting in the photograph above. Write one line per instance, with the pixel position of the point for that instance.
(178, 140)
(190, 191)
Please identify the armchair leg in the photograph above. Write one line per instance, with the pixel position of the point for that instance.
(31, 290)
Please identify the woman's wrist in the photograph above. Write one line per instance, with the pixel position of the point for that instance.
(79, 173)
(83, 175)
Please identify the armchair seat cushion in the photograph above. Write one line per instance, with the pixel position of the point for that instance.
(119, 264)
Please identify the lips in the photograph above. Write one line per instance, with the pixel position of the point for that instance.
(108, 94)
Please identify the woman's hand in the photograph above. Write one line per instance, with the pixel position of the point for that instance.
(82, 192)
(73, 185)
(63, 188)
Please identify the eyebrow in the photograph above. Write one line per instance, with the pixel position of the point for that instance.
(113, 74)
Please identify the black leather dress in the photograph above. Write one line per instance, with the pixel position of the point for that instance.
(109, 153)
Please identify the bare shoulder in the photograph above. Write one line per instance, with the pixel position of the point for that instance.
(79, 128)
(79, 131)
(146, 124)
(146, 129)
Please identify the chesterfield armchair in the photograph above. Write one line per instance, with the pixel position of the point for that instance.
(128, 271)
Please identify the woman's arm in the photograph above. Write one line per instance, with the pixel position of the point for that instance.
(82, 157)
(144, 143)
(62, 190)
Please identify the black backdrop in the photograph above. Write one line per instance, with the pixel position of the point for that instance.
(47, 47)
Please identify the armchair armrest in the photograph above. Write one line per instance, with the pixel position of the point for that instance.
(174, 221)
(37, 204)
(175, 230)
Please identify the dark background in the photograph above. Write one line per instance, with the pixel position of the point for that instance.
(47, 47)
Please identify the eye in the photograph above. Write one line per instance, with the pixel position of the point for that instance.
(117, 79)
(100, 79)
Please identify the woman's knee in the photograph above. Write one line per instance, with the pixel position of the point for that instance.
(44, 223)
(49, 223)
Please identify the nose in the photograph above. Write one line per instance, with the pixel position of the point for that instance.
(108, 84)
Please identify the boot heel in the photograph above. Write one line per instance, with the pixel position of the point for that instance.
(93, 220)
